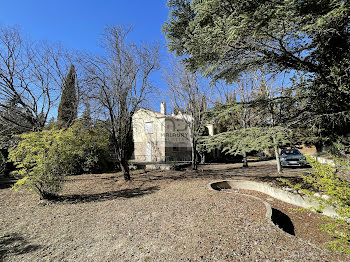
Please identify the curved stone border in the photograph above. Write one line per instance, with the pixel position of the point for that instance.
(288, 197)
(268, 213)
(323, 160)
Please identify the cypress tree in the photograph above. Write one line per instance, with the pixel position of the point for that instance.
(67, 110)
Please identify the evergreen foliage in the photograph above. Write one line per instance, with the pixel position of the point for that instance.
(13, 121)
(93, 142)
(249, 126)
(225, 116)
(13, 118)
(245, 140)
(67, 110)
(223, 38)
(43, 159)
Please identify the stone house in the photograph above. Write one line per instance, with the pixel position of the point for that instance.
(159, 137)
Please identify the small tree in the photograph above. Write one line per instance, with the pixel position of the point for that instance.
(93, 146)
(263, 105)
(67, 110)
(241, 141)
(43, 159)
(236, 115)
(189, 98)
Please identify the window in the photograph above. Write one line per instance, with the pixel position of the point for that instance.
(149, 127)
(175, 149)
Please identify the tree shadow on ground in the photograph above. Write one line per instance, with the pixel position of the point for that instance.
(14, 244)
(7, 182)
(292, 179)
(98, 197)
(263, 173)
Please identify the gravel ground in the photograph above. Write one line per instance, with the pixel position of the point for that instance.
(159, 216)
(306, 223)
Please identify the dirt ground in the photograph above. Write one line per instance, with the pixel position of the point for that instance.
(159, 216)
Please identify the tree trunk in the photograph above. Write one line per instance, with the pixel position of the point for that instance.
(194, 154)
(245, 160)
(202, 157)
(319, 146)
(125, 169)
(277, 155)
(44, 195)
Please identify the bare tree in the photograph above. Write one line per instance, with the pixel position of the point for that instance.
(236, 110)
(120, 83)
(255, 117)
(30, 79)
(265, 102)
(189, 97)
(246, 91)
(277, 106)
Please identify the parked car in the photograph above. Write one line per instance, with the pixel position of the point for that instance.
(292, 157)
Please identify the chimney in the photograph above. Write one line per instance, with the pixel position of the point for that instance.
(163, 108)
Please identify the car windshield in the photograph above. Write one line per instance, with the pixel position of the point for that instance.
(290, 152)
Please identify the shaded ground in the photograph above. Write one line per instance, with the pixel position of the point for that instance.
(6, 182)
(159, 216)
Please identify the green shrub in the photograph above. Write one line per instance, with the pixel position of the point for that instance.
(93, 147)
(43, 159)
(325, 185)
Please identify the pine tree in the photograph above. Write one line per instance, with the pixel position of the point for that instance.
(308, 40)
(67, 110)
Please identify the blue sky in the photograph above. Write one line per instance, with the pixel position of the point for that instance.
(78, 24)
